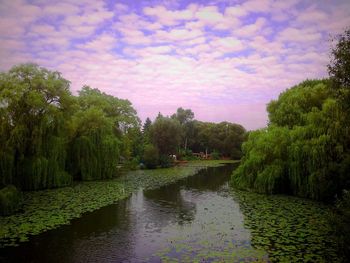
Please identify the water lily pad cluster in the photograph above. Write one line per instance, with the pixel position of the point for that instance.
(215, 234)
(291, 229)
(48, 209)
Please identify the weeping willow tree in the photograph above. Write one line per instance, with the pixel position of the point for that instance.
(304, 149)
(34, 107)
(94, 156)
(123, 118)
(264, 162)
(318, 156)
(47, 136)
(102, 134)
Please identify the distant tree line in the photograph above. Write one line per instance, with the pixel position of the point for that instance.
(182, 135)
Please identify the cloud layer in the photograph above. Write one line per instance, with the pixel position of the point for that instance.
(223, 59)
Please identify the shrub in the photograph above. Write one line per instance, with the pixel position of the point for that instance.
(190, 158)
(132, 164)
(150, 156)
(215, 155)
(10, 200)
(165, 161)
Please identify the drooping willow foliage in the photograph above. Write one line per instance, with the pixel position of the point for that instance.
(94, 150)
(49, 137)
(304, 150)
(264, 164)
(34, 107)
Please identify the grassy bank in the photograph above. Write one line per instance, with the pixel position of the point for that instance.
(48, 209)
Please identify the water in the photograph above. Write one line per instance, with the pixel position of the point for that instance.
(186, 220)
(196, 219)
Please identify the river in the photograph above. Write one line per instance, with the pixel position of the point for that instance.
(196, 219)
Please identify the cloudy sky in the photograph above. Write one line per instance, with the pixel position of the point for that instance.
(223, 59)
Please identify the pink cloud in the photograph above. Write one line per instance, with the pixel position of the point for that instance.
(299, 35)
(251, 30)
(64, 9)
(262, 45)
(220, 62)
(313, 16)
(149, 51)
(235, 11)
(102, 43)
(168, 17)
(10, 28)
(134, 37)
(177, 35)
(257, 5)
(227, 45)
(209, 15)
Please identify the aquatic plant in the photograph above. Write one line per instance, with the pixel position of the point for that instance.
(290, 229)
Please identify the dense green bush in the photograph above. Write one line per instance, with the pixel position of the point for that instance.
(132, 164)
(10, 200)
(150, 156)
(166, 161)
(215, 155)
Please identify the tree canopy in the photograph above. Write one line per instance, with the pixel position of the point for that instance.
(339, 67)
(305, 150)
(50, 137)
(35, 106)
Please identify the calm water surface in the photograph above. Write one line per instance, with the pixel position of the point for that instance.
(198, 219)
(193, 219)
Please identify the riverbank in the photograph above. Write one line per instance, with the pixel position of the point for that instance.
(48, 209)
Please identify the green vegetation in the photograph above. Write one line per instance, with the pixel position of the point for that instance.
(339, 68)
(35, 104)
(10, 199)
(151, 156)
(290, 229)
(51, 138)
(182, 135)
(165, 134)
(305, 150)
(340, 220)
(48, 209)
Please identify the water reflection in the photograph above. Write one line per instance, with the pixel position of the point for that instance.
(187, 220)
(210, 179)
(171, 205)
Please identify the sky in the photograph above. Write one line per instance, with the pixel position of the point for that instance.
(225, 60)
